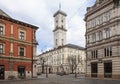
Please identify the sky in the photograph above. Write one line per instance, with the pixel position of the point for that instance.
(40, 13)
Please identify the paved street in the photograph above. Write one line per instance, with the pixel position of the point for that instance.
(55, 79)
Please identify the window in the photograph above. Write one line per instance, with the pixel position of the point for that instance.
(108, 51)
(22, 35)
(22, 51)
(88, 38)
(62, 41)
(56, 21)
(100, 35)
(1, 48)
(101, 19)
(56, 41)
(62, 26)
(94, 54)
(107, 31)
(94, 37)
(1, 30)
(116, 3)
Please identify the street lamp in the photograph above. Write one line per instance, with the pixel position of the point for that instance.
(46, 71)
(44, 64)
(42, 61)
(75, 67)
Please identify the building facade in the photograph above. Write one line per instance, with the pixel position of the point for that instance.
(58, 58)
(17, 48)
(103, 39)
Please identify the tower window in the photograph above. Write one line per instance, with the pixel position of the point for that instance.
(62, 26)
(56, 41)
(62, 41)
(61, 20)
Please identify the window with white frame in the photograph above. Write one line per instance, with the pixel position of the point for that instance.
(108, 51)
(1, 48)
(1, 30)
(21, 51)
(22, 35)
(107, 32)
(94, 54)
(94, 37)
(100, 34)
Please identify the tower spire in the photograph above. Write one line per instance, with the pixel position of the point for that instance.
(59, 5)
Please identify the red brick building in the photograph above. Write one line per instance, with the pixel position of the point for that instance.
(17, 47)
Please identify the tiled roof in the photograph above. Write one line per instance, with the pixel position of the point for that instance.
(61, 12)
(75, 46)
(67, 45)
(4, 16)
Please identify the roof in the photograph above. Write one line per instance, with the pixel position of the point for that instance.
(75, 46)
(60, 12)
(67, 45)
(4, 14)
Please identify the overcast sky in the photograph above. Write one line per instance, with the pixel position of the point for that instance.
(40, 13)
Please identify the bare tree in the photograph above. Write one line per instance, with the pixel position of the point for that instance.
(73, 62)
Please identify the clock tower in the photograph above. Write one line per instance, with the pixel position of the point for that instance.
(60, 28)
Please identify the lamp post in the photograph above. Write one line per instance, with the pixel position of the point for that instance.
(46, 71)
(42, 61)
(75, 67)
(44, 66)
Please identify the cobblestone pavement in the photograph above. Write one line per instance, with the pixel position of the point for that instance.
(67, 79)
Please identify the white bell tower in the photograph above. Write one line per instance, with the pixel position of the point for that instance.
(60, 28)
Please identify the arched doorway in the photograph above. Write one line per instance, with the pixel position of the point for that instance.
(50, 69)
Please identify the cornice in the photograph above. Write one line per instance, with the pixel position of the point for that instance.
(108, 23)
(18, 22)
(59, 29)
(14, 59)
(97, 8)
(104, 41)
(11, 39)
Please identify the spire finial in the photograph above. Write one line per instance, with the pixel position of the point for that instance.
(59, 6)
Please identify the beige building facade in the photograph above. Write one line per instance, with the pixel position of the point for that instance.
(57, 59)
(103, 39)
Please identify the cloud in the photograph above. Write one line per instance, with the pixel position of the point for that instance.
(40, 13)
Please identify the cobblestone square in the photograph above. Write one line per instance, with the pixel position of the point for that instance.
(56, 79)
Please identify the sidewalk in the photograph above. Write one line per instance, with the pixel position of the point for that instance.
(6, 80)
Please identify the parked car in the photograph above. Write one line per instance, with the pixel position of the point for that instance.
(61, 73)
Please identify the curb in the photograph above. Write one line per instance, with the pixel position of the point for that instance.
(18, 80)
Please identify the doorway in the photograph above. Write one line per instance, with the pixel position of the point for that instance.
(108, 70)
(21, 72)
(2, 69)
(94, 69)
